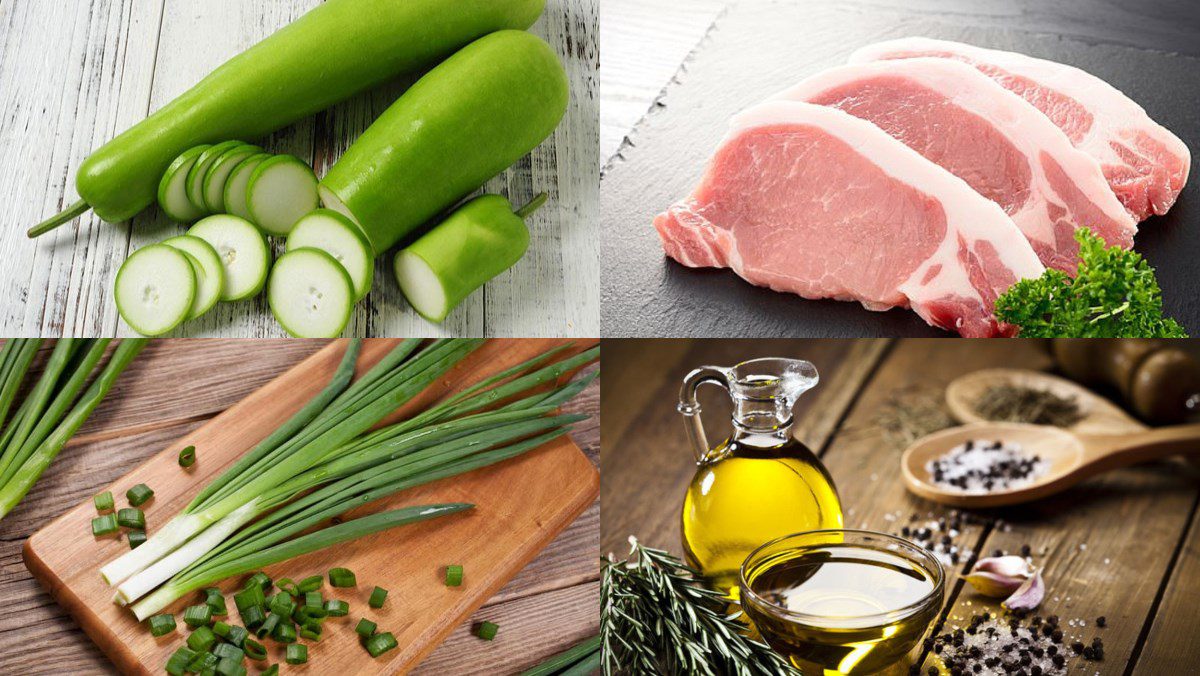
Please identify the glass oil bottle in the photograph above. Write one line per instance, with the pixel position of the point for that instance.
(842, 601)
(760, 483)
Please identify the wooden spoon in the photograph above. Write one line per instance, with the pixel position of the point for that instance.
(1100, 416)
(1072, 456)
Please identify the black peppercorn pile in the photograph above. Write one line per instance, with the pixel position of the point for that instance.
(992, 645)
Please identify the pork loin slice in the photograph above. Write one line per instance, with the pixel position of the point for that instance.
(1145, 164)
(814, 201)
(1002, 146)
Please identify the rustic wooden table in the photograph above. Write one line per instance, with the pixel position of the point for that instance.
(175, 387)
(1125, 546)
(74, 74)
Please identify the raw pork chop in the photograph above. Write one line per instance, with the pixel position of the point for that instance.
(988, 136)
(1145, 164)
(814, 201)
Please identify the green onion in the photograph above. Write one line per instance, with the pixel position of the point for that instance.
(380, 643)
(222, 629)
(177, 664)
(284, 632)
(195, 616)
(253, 616)
(260, 578)
(255, 650)
(237, 635)
(213, 598)
(296, 654)
(228, 650)
(103, 501)
(249, 597)
(365, 628)
(104, 525)
(161, 625)
(287, 584)
(201, 662)
(311, 631)
(268, 625)
(313, 600)
(337, 608)
(282, 604)
(187, 457)
(560, 662)
(454, 576)
(139, 495)
(272, 670)
(486, 630)
(377, 597)
(131, 517)
(136, 538)
(201, 639)
(310, 584)
(342, 577)
(230, 667)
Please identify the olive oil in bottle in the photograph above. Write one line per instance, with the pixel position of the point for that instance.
(842, 602)
(759, 484)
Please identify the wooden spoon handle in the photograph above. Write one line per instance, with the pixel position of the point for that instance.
(1109, 452)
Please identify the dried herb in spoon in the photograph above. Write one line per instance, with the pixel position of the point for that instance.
(1011, 403)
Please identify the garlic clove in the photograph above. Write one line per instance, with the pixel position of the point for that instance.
(1008, 566)
(1029, 595)
(994, 585)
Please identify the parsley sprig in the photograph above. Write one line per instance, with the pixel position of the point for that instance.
(1114, 295)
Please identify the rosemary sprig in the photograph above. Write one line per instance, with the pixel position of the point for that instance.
(656, 618)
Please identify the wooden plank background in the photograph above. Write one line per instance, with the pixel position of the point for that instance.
(74, 74)
(1124, 545)
(173, 388)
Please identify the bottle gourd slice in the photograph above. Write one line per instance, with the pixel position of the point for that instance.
(243, 251)
(234, 198)
(218, 172)
(358, 44)
(334, 234)
(155, 289)
(310, 294)
(172, 189)
(465, 121)
(211, 279)
(280, 191)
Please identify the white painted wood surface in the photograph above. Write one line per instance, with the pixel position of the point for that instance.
(75, 73)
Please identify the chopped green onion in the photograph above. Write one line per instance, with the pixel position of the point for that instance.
(282, 604)
(337, 608)
(249, 597)
(342, 577)
(255, 650)
(272, 670)
(213, 598)
(486, 630)
(454, 576)
(284, 632)
(136, 538)
(313, 600)
(161, 625)
(365, 628)
(229, 650)
(260, 578)
(296, 654)
(268, 625)
(311, 631)
(104, 525)
(310, 584)
(139, 495)
(378, 596)
(304, 614)
(199, 661)
(131, 517)
(237, 635)
(178, 663)
(222, 629)
(104, 501)
(195, 616)
(229, 667)
(380, 643)
(201, 639)
(187, 457)
(253, 616)
(287, 584)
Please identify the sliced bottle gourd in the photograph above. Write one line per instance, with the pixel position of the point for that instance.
(282, 189)
(337, 236)
(211, 278)
(243, 252)
(310, 294)
(172, 189)
(195, 177)
(218, 174)
(234, 198)
(481, 239)
(155, 289)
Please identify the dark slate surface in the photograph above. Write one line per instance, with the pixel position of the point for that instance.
(757, 48)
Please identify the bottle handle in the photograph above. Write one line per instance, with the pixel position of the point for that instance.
(689, 405)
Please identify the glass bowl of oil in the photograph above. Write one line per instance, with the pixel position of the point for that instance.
(842, 601)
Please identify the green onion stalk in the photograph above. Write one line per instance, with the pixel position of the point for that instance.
(54, 409)
(262, 507)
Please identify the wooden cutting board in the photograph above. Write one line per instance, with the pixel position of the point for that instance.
(520, 506)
